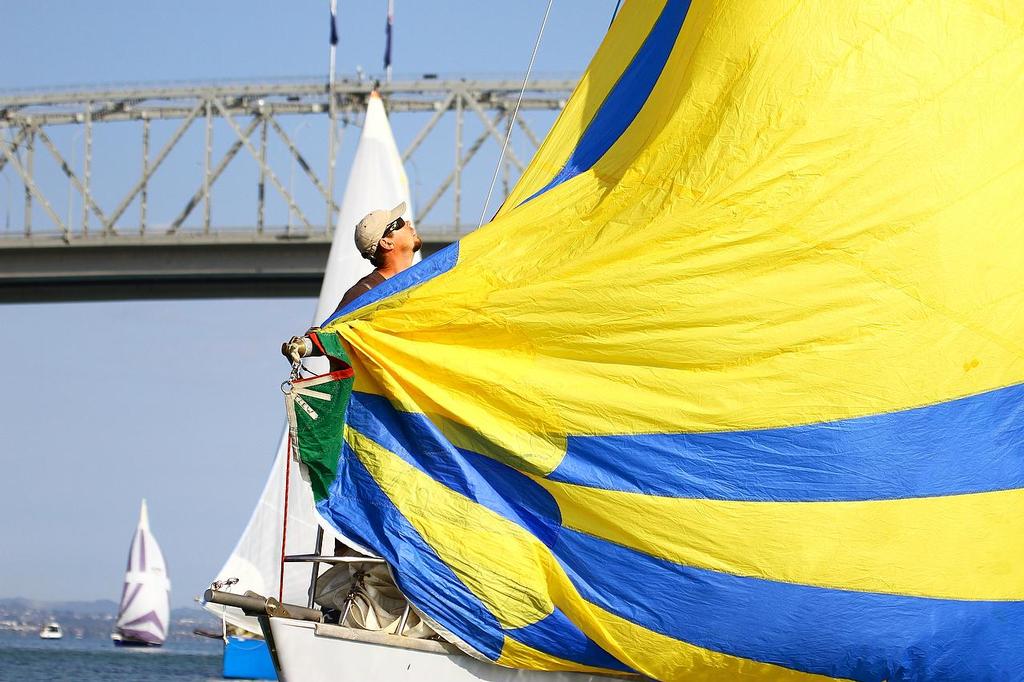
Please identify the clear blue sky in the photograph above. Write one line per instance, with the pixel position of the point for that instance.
(105, 403)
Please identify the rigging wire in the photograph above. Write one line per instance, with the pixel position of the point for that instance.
(515, 112)
(614, 13)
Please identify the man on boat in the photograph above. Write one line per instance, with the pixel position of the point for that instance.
(387, 240)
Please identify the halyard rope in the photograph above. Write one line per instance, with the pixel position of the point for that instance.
(284, 523)
(515, 112)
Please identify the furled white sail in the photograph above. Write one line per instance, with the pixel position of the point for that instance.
(376, 180)
(144, 613)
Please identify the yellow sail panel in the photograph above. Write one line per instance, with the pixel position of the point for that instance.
(867, 545)
(625, 36)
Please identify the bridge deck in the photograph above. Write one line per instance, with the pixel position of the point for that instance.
(90, 222)
(219, 265)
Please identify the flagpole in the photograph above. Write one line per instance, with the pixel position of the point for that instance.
(332, 115)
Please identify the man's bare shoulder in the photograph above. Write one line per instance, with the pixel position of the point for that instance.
(360, 288)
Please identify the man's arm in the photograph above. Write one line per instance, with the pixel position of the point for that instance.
(299, 347)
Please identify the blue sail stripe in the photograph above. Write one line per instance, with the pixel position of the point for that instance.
(559, 636)
(968, 445)
(430, 267)
(627, 97)
(359, 509)
(487, 482)
(854, 635)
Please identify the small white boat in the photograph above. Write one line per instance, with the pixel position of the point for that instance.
(51, 630)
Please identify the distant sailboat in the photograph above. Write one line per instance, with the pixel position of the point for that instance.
(377, 179)
(144, 613)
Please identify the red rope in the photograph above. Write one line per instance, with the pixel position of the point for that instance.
(284, 521)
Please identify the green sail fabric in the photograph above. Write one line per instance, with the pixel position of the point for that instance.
(316, 416)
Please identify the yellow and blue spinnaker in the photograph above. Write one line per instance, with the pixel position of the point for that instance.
(733, 384)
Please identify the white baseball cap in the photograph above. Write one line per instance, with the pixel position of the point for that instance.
(370, 229)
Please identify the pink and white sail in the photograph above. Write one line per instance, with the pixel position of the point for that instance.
(144, 614)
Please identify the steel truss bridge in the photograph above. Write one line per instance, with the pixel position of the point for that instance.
(103, 245)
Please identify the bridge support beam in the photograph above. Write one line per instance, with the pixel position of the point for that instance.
(121, 268)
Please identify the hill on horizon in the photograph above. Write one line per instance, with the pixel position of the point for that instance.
(95, 607)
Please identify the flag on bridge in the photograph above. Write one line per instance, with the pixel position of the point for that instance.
(387, 42)
(334, 22)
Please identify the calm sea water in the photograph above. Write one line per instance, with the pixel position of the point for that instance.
(30, 659)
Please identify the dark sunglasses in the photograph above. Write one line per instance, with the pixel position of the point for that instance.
(394, 227)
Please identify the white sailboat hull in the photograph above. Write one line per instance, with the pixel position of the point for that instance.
(313, 652)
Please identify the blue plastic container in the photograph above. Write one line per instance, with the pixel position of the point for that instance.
(248, 659)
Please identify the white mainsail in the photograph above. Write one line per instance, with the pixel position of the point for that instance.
(144, 613)
(377, 179)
